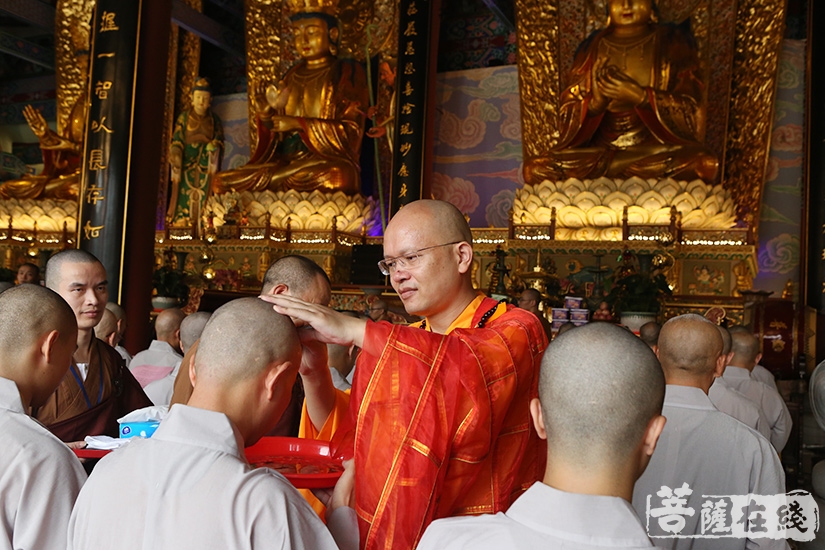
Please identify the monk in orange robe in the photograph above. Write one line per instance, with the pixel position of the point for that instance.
(438, 420)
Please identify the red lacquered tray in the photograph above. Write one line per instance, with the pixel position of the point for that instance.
(306, 463)
(91, 453)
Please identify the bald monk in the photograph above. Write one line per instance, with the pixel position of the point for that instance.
(121, 330)
(713, 453)
(106, 329)
(164, 353)
(301, 277)
(99, 389)
(377, 311)
(530, 300)
(599, 409)
(440, 408)
(195, 488)
(160, 391)
(746, 354)
(730, 401)
(649, 333)
(39, 476)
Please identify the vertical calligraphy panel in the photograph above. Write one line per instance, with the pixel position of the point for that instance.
(415, 94)
(106, 156)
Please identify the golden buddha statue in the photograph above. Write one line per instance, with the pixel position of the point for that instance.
(61, 158)
(633, 104)
(311, 125)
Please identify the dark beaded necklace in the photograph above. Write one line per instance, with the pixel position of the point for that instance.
(481, 322)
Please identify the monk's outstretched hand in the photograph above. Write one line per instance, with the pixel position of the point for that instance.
(330, 326)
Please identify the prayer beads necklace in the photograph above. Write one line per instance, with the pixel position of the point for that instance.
(481, 322)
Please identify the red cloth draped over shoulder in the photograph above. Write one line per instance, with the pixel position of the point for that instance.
(443, 423)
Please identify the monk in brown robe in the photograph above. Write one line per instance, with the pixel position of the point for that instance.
(98, 388)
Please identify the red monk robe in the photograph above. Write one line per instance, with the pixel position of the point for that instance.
(109, 391)
(442, 425)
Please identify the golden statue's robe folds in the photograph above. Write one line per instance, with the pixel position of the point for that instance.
(329, 102)
(440, 424)
(108, 392)
(661, 137)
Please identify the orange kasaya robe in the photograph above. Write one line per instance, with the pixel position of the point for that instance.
(439, 424)
(79, 407)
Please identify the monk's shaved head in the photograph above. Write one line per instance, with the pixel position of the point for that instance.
(599, 388)
(27, 312)
(192, 327)
(439, 216)
(106, 326)
(726, 339)
(55, 264)
(745, 347)
(303, 277)
(243, 338)
(649, 333)
(168, 322)
(116, 309)
(531, 294)
(689, 344)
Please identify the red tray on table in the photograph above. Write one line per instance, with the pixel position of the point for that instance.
(91, 453)
(306, 463)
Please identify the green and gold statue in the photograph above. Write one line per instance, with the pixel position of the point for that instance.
(633, 105)
(194, 156)
(310, 126)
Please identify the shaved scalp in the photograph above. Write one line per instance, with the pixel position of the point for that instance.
(649, 333)
(55, 264)
(242, 338)
(744, 345)
(449, 220)
(27, 312)
(192, 327)
(167, 322)
(298, 273)
(599, 388)
(531, 294)
(726, 339)
(116, 309)
(106, 326)
(689, 343)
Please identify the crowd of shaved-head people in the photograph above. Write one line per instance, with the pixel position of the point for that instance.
(620, 416)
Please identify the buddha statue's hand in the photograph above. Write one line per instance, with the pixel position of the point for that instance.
(621, 89)
(36, 121)
(257, 97)
(598, 102)
(285, 123)
(277, 96)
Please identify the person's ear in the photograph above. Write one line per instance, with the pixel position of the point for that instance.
(274, 376)
(721, 363)
(48, 344)
(111, 338)
(465, 257)
(538, 417)
(279, 289)
(652, 433)
(757, 359)
(192, 370)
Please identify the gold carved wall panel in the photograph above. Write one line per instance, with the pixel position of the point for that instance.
(264, 23)
(72, 32)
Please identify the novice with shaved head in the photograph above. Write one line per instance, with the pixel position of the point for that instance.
(39, 476)
(709, 451)
(599, 408)
(163, 353)
(195, 488)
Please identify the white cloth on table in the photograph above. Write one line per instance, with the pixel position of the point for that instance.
(190, 486)
(154, 363)
(39, 478)
(733, 403)
(714, 454)
(770, 403)
(544, 517)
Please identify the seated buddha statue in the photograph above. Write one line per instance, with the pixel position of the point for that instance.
(632, 105)
(61, 158)
(311, 125)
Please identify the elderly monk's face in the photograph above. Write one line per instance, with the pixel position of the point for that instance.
(84, 287)
(426, 287)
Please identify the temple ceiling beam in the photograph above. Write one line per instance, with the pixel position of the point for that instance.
(28, 51)
(206, 28)
(32, 12)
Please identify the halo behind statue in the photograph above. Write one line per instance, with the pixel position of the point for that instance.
(816, 392)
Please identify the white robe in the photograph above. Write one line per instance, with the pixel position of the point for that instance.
(770, 403)
(39, 479)
(543, 517)
(190, 486)
(764, 375)
(155, 362)
(714, 454)
(733, 403)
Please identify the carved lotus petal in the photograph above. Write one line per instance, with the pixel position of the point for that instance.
(351, 211)
(266, 198)
(611, 234)
(291, 198)
(603, 187)
(698, 189)
(316, 198)
(564, 234)
(651, 201)
(279, 210)
(341, 199)
(317, 221)
(634, 187)
(668, 188)
(585, 234)
(695, 219)
(557, 199)
(728, 206)
(543, 215)
(571, 187)
(304, 209)
(295, 221)
(354, 226)
(532, 202)
(57, 213)
(617, 200)
(660, 216)
(571, 216)
(586, 200)
(546, 189)
(329, 209)
(255, 209)
(601, 216)
(46, 223)
(684, 202)
(526, 217)
(637, 215)
(710, 206)
(35, 212)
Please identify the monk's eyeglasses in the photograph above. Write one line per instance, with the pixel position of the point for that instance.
(388, 265)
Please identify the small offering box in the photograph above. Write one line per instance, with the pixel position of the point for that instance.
(138, 429)
(579, 314)
(561, 313)
(557, 323)
(572, 302)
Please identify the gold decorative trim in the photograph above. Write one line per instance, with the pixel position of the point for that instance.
(72, 31)
(264, 26)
